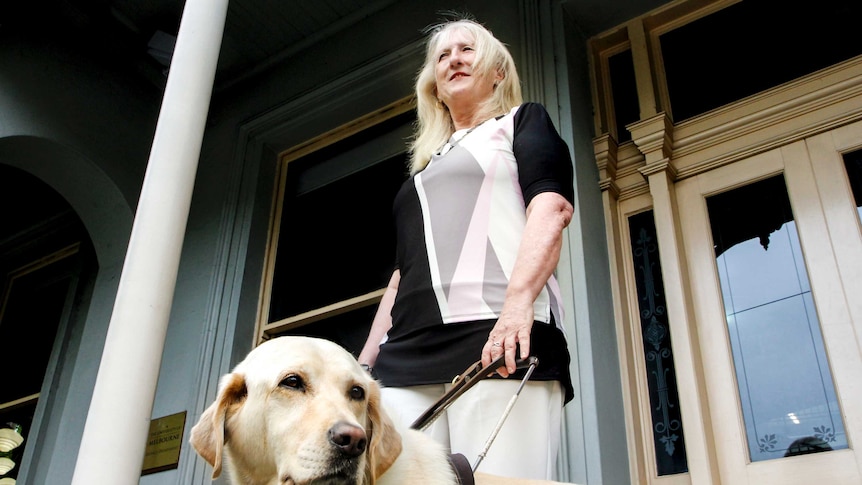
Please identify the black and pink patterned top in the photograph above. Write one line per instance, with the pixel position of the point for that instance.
(459, 225)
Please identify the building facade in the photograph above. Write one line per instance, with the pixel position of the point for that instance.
(710, 270)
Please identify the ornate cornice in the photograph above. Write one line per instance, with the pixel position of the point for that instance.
(663, 165)
(608, 185)
(654, 138)
(605, 149)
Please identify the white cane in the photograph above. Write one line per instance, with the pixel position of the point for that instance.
(533, 363)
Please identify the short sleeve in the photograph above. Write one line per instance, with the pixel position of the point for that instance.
(544, 162)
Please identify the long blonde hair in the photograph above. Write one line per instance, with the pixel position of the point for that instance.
(433, 123)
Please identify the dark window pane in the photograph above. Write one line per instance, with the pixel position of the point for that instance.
(626, 108)
(32, 311)
(752, 46)
(31, 315)
(853, 164)
(668, 437)
(337, 237)
(785, 385)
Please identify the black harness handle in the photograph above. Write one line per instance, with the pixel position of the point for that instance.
(462, 383)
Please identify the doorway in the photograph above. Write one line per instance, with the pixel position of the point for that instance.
(45, 256)
(774, 252)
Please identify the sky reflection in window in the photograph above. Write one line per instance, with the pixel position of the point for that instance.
(784, 382)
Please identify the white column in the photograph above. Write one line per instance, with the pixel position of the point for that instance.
(114, 440)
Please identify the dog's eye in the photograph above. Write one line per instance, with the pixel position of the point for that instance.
(357, 393)
(292, 382)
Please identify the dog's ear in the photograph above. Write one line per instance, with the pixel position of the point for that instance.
(207, 436)
(385, 439)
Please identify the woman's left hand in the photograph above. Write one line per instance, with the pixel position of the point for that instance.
(510, 333)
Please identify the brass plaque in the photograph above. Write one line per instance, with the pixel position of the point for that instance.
(164, 443)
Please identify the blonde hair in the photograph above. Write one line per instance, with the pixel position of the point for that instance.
(433, 123)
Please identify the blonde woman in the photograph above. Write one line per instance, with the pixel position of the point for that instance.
(479, 228)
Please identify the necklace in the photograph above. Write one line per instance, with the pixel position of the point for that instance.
(453, 142)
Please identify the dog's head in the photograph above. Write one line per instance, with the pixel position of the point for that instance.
(300, 410)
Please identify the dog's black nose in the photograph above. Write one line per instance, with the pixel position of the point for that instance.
(350, 439)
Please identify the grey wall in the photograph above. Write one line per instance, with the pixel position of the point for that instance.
(85, 130)
(597, 421)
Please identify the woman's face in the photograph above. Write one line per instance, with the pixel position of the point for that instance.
(457, 85)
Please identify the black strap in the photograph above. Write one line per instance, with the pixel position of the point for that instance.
(469, 378)
(461, 466)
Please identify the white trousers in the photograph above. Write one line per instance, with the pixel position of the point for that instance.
(527, 443)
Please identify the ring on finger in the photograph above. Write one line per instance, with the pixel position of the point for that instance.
(496, 344)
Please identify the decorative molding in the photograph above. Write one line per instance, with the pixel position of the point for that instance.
(743, 129)
(653, 136)
(783, 115)
(532, 58)
(772, 107)
(634, 190)
(663, 165)
(627, 163)
(605, 149)
(608, 185)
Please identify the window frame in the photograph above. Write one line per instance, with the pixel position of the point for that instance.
(264, 329)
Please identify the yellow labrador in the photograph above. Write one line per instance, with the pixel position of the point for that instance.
(300, 411)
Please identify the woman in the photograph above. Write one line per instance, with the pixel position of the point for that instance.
(479, 227)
